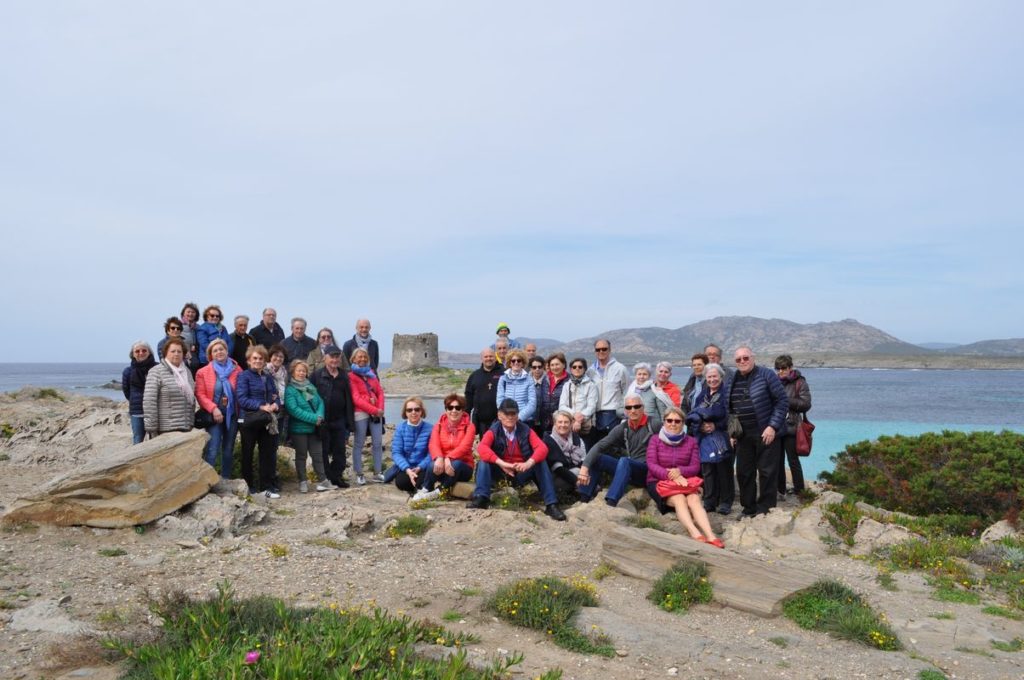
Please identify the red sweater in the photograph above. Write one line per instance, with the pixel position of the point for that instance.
(512, 452)
(457, 445)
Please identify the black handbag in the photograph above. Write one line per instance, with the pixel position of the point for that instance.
(252, 420)
(202, 420)
(735, 427)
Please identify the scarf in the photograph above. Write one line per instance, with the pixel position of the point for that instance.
(638, 387)
(454, 428)
(662, 396)
(576, 381)
(640, 423)
(304, 388)
(181, 375)
(364, 372)
(223, 389)
(361, 343)
(575, 453)
(671, 439)
(553, 382)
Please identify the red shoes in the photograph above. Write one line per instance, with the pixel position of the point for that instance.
(717, 542)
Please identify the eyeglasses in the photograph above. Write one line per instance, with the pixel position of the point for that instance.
(602, 349)
(142, 351)
(174, 328)
(633, 407)
(741, 360)
(515, 361)
(213, 316)
(674, 421)
(576, 366)
(536, 366)
(413, 409)
(326, 337)
(453, 407)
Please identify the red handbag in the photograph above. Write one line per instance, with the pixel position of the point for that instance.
(667, 487)
(804, 437)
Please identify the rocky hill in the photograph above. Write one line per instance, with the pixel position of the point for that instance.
(1011, 347)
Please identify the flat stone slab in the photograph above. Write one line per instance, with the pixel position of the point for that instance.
(136, 485)
(739, 581)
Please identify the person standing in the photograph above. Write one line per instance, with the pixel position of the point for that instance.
(501, 347)
(612, 380)
(211, 329)
(133, 384)
(363, 340)
(799, 395)
(268, 333)
(331, 382)
(481, 391)
(298, 344)
(258, 406)
(216, 387)
(695, 383)
(757, 398)
(726, 473)
(169, 399)
(189, 326)
(241, 341)
(503, 333)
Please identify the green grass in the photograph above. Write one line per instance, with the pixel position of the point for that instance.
(111, 552)
(278, 550)
(452, 616)
(947, 591)
(409, 525)
(335, 544)
(644, 522)
(49, 393)
(469, 592)
(6, 431)
(886, 581)
(844, 518)
(7, 604)
(262, 637)
(550, 605)
(1014, 645)
(831, 607)
(602, 571)
(779, 642)
(943, 616)
(994, 610)
(934, 556)
(681, 586)
(929, 674)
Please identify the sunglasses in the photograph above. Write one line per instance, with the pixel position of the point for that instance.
(536, 366)
(453, 407)
(515, 361)
(633, 407)
(674, 421)
(213, 316)
(413, 409)
(742, 360)
(174, 328)
(602, 349)
(575, 366)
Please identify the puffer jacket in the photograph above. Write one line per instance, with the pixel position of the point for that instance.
(409, 448)
(662, 456)
(456, 444)
(799, 395)
(303, 413)
(133, 383)
(362, 389)
(522, 390)
(206, 386)
(207, 333)
(768, 397)
(165, 408)
(255, 390)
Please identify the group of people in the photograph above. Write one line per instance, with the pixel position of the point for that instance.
(568, 426)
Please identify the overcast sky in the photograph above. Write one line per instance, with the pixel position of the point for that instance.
(564, 167)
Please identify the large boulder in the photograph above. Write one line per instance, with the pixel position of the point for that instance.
(136, 485)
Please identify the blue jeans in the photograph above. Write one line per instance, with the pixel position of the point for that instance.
(376, 431)
(222, 441)
(462, 474)
(603, 464)
(138, 429)
(539, 474)
(628, 472)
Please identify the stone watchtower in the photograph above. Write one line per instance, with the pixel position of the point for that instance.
(414, 351)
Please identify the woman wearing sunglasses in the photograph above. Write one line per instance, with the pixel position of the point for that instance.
(516, 384)
(673, 466)
(409, 447)
(210, 330)
(451, 449)
(133, 384)
(579, 397)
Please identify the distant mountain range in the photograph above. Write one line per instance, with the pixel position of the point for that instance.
(846, 342)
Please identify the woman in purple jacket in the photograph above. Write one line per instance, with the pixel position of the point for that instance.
(674, 456)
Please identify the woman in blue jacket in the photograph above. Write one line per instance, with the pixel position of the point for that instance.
(210, 330)
(409, 447)
(133, 384)
(259, 404)
(516, 384)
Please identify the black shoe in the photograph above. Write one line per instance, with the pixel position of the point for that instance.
(555, 512)
(340, 483)
(725, 508)
(478, 503)
(709, 507)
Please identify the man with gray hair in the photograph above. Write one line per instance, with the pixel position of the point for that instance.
(362, 340)
(298, 345)
(268, 332)
(240, 341)
(726, 473)
(612, 380)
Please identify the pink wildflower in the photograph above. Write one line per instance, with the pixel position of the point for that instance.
(252, 657)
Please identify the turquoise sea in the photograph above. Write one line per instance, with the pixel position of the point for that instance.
(849, 405)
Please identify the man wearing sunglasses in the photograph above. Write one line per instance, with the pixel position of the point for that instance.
(756, 396)
(612, 380)
(621, 454)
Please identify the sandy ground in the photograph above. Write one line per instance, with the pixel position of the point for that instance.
(463, 557)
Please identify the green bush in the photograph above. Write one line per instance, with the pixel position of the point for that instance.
(980, 474)
(833, 608)
(681, 586)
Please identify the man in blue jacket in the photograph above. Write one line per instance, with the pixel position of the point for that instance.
(756, 396)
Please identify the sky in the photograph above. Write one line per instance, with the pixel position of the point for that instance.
(564, 167)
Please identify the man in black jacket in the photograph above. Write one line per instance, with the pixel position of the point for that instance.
(482, 391)
(331, 382)
(298, 345)
(268, 333)
(241, 341)
(362, 339)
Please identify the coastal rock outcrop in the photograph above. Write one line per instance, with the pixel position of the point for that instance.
(136, 485)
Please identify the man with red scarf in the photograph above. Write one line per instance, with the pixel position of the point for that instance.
(622, 453)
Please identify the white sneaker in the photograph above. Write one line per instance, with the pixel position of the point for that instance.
(325, 486)
(360, 480)
(378, 478)
(303, 487)
(424, 495)
(271, 494)
(419, 495)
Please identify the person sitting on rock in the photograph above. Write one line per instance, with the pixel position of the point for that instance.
(513, 451)
(622, 453)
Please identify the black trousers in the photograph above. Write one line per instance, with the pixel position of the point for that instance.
(333, 437)
(788, 452)
(251, 438)
(757, 470)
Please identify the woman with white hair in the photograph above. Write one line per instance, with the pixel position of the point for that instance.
(643, 387)
(133, 384)
(666, 390)
(709, 422)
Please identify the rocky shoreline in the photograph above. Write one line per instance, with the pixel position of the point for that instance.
(63, 588)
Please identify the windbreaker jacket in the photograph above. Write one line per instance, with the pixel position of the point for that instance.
(457, 444)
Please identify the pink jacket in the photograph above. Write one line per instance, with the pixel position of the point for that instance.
(661, 457)
(366, 393)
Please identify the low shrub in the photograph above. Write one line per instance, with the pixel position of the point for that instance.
(976, 474)
(831, 607)
(681, 586)
(409, 525)
(551, 604)
(262, 637)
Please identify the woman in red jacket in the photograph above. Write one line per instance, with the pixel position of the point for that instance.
(673, 459)
(368, 399)
(451, 449)
(215, 392)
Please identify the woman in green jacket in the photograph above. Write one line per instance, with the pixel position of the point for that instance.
(306, 414)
